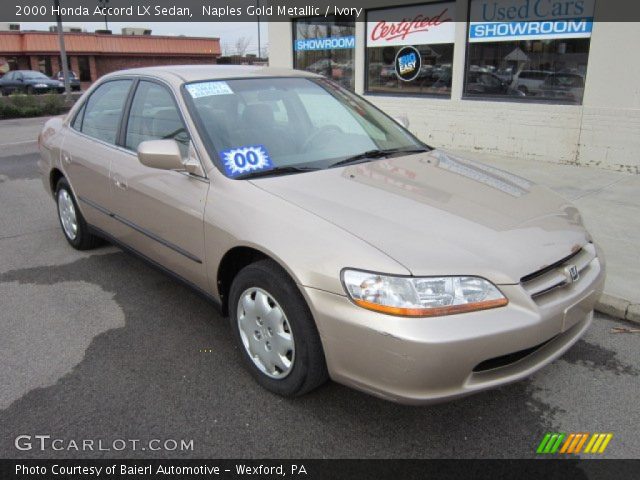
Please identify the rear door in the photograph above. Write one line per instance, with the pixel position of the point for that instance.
(90, 146)
(163, 209)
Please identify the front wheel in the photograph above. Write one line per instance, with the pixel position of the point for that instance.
(275, 330)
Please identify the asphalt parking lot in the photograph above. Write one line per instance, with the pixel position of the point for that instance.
(99, 345)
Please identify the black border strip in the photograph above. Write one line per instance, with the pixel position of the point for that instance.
(141, 230)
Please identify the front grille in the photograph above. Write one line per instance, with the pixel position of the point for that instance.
(550, 278)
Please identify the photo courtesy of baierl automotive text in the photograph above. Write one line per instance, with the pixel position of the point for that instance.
(321, 238)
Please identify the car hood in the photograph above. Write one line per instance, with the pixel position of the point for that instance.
(439, 214)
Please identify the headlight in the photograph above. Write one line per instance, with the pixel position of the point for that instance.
(41, 85)
(421, 296)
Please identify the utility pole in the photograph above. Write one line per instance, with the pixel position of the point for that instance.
(63, 51)
(259, 57)
(103, 5)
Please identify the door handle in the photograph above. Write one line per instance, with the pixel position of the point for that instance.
(66, 158)
(120, 183)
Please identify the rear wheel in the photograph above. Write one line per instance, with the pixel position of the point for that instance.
(73, 225)
(274, 328)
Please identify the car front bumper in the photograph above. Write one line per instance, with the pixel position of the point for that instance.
(427, 360)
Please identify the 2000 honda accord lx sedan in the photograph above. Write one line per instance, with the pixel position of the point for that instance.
(339, 244)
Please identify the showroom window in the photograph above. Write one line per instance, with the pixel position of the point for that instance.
(410, 49)
(527, 51)
(326, 46)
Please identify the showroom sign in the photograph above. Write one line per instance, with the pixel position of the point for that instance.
(428, 24)
(327, 43)
(509, 20)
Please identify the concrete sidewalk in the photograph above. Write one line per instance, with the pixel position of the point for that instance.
(610, 205)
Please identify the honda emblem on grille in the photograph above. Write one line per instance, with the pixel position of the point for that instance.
(572, 274)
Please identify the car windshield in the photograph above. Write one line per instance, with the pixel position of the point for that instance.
(290, 124)
(34, 76)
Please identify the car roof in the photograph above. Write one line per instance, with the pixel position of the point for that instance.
(178, 74)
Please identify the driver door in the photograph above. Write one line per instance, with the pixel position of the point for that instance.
(162, 210)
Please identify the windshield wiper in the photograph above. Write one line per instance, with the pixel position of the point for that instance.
(378, 153)
(275, 171)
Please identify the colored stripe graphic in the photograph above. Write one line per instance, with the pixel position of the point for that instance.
(550, 443)
(572, 443)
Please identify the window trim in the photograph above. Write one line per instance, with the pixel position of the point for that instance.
(129, 105)
(366, 90)
(506, 98)
(81, 110)
(293, 41)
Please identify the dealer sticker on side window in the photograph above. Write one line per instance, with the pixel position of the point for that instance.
(208, 89)
(247, 159)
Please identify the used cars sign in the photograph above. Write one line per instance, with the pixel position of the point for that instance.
(504, 20)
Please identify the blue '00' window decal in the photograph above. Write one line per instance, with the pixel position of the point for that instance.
(247, 159)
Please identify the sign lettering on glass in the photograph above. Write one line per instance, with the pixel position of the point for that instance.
(504, 20)
(428, 24)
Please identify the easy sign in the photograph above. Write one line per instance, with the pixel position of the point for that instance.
(408, 63)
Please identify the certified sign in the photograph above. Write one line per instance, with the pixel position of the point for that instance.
(428, 24)
(408, 63)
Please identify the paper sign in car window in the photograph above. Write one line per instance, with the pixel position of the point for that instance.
(209, 89)
(247, 159)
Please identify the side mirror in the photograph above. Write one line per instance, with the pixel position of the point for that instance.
(161, 154)
(402, 120)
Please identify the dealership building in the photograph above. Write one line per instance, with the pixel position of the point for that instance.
(538, 79)
(91, 55)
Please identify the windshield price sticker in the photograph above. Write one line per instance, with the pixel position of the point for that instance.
(241, 160)
(209, 89)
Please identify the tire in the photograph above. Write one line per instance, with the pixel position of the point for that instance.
(307, 369)
(83, 239)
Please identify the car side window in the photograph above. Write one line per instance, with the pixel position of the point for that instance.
(9, 76)
(103, 110)
(77, 121)
(155, 116)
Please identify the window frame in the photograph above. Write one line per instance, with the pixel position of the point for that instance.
(79, 108)
(506, 98)
(366, 90)
(129, 103)
(82, 108)
(293, 41)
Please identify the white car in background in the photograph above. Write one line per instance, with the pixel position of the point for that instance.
(529, 81)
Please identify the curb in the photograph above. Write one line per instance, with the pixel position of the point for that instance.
(618, 308)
